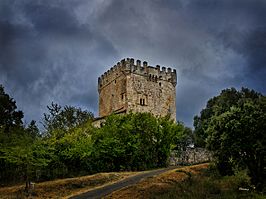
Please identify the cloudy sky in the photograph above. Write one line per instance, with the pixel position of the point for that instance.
(54, 50)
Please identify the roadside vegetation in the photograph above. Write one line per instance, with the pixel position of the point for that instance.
(192, 182)
(71, 146)
(232, 126)
(64, 188)
(208, 183)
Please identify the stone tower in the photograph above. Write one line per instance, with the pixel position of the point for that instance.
(130, 86)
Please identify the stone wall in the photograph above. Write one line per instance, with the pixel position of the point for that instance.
(134, 87)
(112, 96)
(190, 156)
(156, 97)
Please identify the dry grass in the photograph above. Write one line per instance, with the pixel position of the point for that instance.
(198, 181)
(65, 187)
(158, 184)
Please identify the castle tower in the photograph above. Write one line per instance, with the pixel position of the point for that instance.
(136, 87)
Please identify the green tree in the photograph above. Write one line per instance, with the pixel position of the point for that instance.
(72, 151)
(135, 141)
(33, 130)
(236, 132)
(24, 152)
(216, 106)
(59, 120)
(184, 138)
(9, 116)
(21, 151)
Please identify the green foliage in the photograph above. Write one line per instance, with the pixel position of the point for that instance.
(60, 119)
(9, 116)
(32, 130)
(71, 151)
(134, 142)
(218, 105)
(233, 126)
(207, 184)
(22, 152)
(71, 146)
(21, 149)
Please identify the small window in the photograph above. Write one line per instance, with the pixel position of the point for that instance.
(122, 96)
(115, 81)
(142, 102)
(160, 84)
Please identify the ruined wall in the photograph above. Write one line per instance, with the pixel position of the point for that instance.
(190, 156)
(138, 88)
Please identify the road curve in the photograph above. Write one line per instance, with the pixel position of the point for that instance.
(103, 191)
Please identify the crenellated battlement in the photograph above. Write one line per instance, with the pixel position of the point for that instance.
(129, 65)
(135, 86)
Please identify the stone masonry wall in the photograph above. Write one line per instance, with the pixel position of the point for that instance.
(134, 87)
(190, 156)
(156, 97)
(112, 96)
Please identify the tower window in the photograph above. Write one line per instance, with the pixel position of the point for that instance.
(142, 102)
(160, 84)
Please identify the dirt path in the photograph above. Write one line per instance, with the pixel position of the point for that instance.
(103, 191)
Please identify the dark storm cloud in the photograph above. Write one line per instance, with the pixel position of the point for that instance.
(46, 55)
(55, 50)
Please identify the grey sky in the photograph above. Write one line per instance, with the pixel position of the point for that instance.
(54, 50)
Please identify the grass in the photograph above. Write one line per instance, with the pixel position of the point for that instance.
(64, 188)
(208, 184)
(193, 182)
(190, 182)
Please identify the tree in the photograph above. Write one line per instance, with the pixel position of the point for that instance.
(184, 138)
(216, 106)
(9, 116)
(135, 141)
(24, 152)
(59, 120)
(20, 149)
(32, 129)
(236, 133)
(72, 151)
